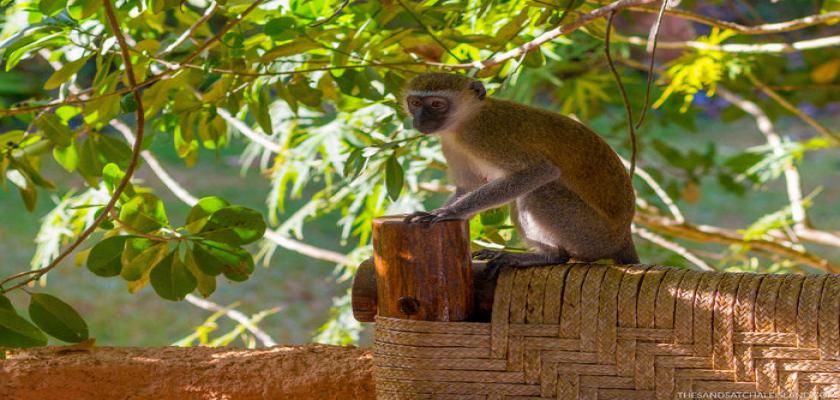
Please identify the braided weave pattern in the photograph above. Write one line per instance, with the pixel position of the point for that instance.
(588, 331)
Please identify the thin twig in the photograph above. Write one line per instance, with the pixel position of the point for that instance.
(673, 246)
(624, 98)
(215, 39)
(260, 138)
(547, 36)
(757, 48)
(189, 32)
(833, 136)
(428, 31)
(705, 233)
(659, 191)
(130, 168)
(801, 225)
(333, 15)
(652, 38)
(763, 29)
(765, 126)
(233, 314)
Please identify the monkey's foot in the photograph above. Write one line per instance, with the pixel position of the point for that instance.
(496, 258)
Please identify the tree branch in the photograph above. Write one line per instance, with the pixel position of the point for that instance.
(189, 199)
(765, 126)
(149, 81)
(704, 233)
(834, 137)
(758, 48)
(233, 314)
(675, 247)
(762, 29)
(130, 168)
(587, 18)
(189, 32)
(260, 138)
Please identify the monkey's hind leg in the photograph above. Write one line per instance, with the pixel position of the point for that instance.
(496, 258)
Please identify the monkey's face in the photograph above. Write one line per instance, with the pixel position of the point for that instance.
(430, 112)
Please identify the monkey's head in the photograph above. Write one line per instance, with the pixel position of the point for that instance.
(439, 101)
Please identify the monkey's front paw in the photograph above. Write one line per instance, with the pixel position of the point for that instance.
(441, 214)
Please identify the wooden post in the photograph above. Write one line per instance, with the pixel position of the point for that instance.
(423, 271)
(364, 292)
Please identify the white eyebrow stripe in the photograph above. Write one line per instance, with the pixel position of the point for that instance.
(424, 93)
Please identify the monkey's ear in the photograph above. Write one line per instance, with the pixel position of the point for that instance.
(479, 89)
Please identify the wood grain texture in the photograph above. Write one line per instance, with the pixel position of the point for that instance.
(423, 271)
(363, 294)
(365, 302)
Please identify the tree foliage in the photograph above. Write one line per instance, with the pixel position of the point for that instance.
(313, 87)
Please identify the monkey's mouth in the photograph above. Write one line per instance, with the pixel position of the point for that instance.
(426, 128)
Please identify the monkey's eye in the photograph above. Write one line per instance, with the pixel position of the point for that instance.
(438, 104)
(415, 102)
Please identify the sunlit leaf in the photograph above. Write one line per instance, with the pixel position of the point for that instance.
(144, 212)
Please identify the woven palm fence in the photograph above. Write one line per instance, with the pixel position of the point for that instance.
(583, 331)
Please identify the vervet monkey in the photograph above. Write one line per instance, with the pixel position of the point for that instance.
(569, 193)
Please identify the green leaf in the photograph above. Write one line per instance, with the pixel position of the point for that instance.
(90, 167)
(18, 332)
(64, 74)
(81, 9)
(393, 177)
(494, 216)
(144, 212)
(203, 209)
(234, 225)
(51, 7)
(54, 129)
(214, 258)
(105, 259)
(171, 279)
(25, 186)
(57, 318)
(281, 29)
(6, 304)
(206, 284)
(112, 175)
(128, 104)
(67, 157)
(259, 108)
(114, 150)
(137, 265)
(354, 164)
(26, 168)
(289, 49)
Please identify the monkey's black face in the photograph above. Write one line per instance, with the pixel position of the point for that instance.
(429, 112)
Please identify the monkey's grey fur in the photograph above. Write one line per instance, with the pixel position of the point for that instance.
(569, 192)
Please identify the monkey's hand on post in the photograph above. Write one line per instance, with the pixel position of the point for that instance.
(440, 214)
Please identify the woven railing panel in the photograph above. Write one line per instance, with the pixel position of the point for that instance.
(585, 331)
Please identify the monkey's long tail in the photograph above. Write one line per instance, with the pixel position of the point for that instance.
(630, 126)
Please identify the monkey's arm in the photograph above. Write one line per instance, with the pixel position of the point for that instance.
(459, 192)
(504, 190)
